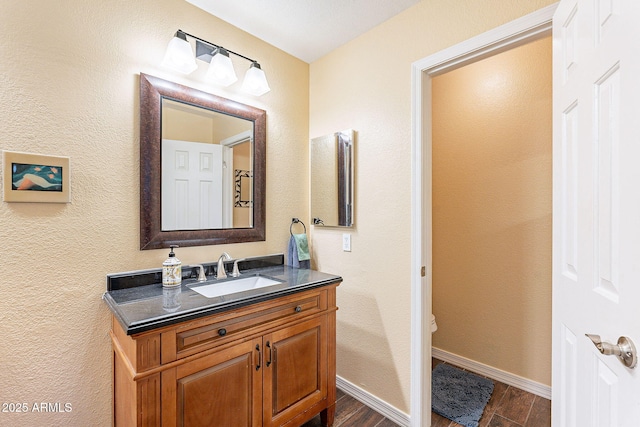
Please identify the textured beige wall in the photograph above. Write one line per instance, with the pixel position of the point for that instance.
(185, 123)
(492, 211)
(366, 85)
(69, 86)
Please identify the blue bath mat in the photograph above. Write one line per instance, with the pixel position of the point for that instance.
(458, 395)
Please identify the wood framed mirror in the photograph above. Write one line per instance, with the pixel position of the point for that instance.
(171, 213)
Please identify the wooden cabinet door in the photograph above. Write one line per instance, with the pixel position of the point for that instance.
(295, 370)
(220, 389)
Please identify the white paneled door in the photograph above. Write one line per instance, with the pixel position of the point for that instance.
(192, 177)
(596, 243)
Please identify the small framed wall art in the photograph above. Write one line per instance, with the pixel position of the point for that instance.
(31, 177)
(243, 189)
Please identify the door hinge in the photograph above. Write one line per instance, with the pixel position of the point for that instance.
(423, 271)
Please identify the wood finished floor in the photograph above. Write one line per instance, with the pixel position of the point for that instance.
(508, 407)
(351, 413)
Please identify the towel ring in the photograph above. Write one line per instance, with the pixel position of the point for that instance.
(296, 221)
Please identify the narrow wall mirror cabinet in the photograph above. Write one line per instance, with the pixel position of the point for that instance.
(332, 179)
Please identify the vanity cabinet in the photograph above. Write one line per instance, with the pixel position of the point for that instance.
(266, 364)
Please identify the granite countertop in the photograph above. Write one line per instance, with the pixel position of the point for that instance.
(146, 307)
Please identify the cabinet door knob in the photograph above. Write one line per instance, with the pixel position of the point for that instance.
(298, 309)
(222, 332)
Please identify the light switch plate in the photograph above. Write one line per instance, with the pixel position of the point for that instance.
(346, 242)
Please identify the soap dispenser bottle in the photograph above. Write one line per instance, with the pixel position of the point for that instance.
(172, 270)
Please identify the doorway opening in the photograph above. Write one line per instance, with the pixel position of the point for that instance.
(516, 33)
(491, 210)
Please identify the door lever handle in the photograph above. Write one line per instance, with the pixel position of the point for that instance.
(624, 349)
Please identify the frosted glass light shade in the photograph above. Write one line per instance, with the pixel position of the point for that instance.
(255, 81)
(179, 56)
(221, 69)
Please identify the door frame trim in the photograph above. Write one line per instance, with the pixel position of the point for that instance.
(512, 34)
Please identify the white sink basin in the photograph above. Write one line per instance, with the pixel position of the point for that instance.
(233, 286)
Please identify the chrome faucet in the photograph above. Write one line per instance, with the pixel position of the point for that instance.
(222, 274)
(201, 276)
(236, 270)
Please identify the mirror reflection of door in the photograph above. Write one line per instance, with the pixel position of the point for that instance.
(192, 185)
(200, 150)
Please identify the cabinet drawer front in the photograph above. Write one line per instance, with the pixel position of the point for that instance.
(244, 322)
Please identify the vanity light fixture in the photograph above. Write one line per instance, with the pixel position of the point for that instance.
(179, 57)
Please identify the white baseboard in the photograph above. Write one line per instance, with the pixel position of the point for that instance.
(493, 373)
(373, 402)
